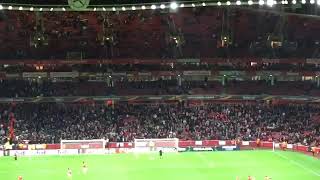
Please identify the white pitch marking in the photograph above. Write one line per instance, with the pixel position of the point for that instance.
(297, 164)
(208, 162)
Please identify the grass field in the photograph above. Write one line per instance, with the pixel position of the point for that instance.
(184, 166)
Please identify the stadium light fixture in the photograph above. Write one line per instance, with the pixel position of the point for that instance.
(312, 1)
(94, 9)
(143, 7)
(104, 9)
(250, 2)
(174, 5)
(20, 8)
(133, 8)
(270, 3)
(162, 6)
(318, 2)
(193, 5)
(153, 7)
(294, 2)
(303, 2)
(113, 9)
(31, 8)
(51, 9)
(40, 9)
(182, 5)
(1, 7)
(228, 3)
(274, 2)
(10, 7)
(203, 4)
(238, 2)
(123, 8)
(63, 9)
(261, 2)
(219, 3)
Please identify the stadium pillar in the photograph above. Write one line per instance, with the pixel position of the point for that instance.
(223, 80)
(271, 80)
(179, 80)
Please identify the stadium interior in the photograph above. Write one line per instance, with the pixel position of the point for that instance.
(125, 77)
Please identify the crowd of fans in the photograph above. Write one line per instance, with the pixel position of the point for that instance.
(50, 122)
(154, 66)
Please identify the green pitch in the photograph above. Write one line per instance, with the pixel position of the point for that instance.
(185, 166)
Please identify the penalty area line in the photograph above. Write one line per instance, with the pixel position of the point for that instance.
(297, 164)
(209, 163)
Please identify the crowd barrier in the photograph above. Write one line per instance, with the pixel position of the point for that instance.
(127, 147)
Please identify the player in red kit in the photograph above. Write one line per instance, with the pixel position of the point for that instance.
(258, 142)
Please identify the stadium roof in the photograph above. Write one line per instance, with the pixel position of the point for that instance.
(92, 2)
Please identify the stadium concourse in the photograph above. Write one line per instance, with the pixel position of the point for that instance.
(51, 122)
(123, 87)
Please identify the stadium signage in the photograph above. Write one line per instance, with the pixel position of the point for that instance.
(100, 74)
(202, 149)
(165, 73)
(271, 60)
(138, 99)
(198, 143)
(295, 98)
(34, 74)
(72, 74)
(245, 143)
(313, 61)
(155, 98)
(13, 75)
(268, 73)
(11, 100)
(230, 148)
(222, 142)
(232, 73)
(182, 149)
(200, 97)
(197, 73)
(144, 74)
(119, 74)
(248, 97)
(188, 60)
(106, 98)
(293, 74)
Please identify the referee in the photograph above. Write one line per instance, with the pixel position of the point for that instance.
(160, 154)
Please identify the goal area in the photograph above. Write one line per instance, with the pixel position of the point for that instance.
(93, 146)
(154, 145)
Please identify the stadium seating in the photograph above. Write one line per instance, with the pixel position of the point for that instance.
(49, 122)
(146, 34)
